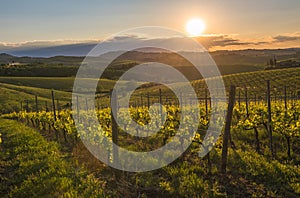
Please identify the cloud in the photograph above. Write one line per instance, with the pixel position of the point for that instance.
(176, 43)
(207, 40)
(41, 44)
(285, 38)
(123, 41)
(224, 40)
(220, 41)
(126, 38)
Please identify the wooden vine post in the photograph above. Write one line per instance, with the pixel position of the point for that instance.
(246, 101)
(270, 118)
(285, 99)
(27, 105)
(36, 104)
(206, 103)
(148, 100)
(114, 106)
(54, 111)
(227, 129)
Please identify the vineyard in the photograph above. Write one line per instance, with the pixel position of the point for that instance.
(150, 99)
(253, 116)
(263, 157)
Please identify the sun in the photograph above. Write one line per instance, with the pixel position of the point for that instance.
(195, 27)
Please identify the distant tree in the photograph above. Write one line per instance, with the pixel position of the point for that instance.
(275, 61)
(271, 62)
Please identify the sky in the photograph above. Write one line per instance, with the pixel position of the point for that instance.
(248, 24)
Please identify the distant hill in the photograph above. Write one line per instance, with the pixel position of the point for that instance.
(229, 62)
(61, 50)
(6, 58)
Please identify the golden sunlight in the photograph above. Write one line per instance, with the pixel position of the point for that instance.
(195, 27)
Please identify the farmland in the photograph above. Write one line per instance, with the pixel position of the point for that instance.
(41, 144)
(252, 168)
(179, 99)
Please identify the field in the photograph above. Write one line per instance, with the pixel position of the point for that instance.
(150, 99)
(25, 152)
(254, 82)
(252, 168)
(42, 152)
(22, 89)
(62, 84)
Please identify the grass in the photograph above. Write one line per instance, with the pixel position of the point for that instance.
(16, 89)
(41, 92)
(33, 167)
(11, 97)
(10, 100)
(57, 83)
(249, 174)
(254, 80)
(64, 84)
